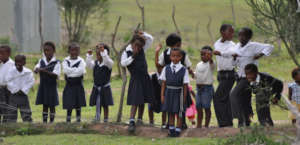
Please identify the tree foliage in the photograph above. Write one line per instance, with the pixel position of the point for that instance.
(279, 18)
(77, 12)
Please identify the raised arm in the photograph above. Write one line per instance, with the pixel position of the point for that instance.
(125, 59)
(106, 59)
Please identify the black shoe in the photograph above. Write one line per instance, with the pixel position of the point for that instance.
(172, 133)
(131, 127)
(177, 133)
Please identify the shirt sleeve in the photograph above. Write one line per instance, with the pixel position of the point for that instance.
(107, 60)
(187, 61)
(29, 83)
(266, 49)
(161, 59)
(90, 63)
(149, 40)
(38, 65)
(186, 79)
(163, 74)
(57, 69)
(125, 60)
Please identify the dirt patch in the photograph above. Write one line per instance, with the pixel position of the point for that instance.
(155, 132)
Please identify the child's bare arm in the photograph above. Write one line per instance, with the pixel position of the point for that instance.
(290, 94)
(185, 89)
(163, 87)
(158, 66)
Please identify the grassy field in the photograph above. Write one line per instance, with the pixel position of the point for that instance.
(158, 23)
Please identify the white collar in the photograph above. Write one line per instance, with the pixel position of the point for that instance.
(69, 58)
(129, 48)
(168, 50)
(178, 65)
(8, 61)
(257, 81)
(52, 59)
(24, 71)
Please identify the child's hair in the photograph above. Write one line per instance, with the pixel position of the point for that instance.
(247, 32)
(295, 72)
(6, 47)
(224, 27)
(51, 44)
(138, 38)
(73, 45)
(21, 57)
(177, 49)
(173, 39)
(105, 47)
(207, 48)
(251, 68)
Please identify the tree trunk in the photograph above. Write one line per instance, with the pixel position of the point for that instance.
(41, 24)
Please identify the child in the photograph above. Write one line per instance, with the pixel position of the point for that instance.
(226, 75)
(140, 88)
(192, 110)
(174, 91)
(205, 89)
(173, 41)
(49, 69)
(5, 64)
(246, 52)
(102, 68)
(19, 81)
(73, 94)
(294, 92)
(264, 87)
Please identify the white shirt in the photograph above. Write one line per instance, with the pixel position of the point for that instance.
(161, 59)
(57, 67)
(205, 73)
(106, 60)
(256, 82)
(247, 53)
(4, 67)
(19, 81)
(178, 66)
(125, 60)
(74, 71)
(225, 61)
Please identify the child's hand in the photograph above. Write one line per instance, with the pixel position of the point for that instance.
(275, 101)
(217, 53)
(162, 98)
(37, 70)
(258, 56)
(139, 32)
(90, 51)
(158, 48)
(235, 56)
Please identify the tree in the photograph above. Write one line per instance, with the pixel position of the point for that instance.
(76, 14)
(280, 19)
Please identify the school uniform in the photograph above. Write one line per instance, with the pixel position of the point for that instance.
(156, 83)
(73, 94)
(4, 93)
(175, 75)
(19, 84)
(140, 87)
(47, 91)
(240, 96)
(295, 98)
(164, 58)
(226, 79)
(204, 81)
(265, 87)
(101, 93)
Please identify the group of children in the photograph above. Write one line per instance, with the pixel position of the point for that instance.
(167, 90)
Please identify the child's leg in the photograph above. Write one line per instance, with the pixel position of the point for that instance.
(179, 125)
(25, 111)
(69, 114)
(164, 118)
(131, 127)
(207, 117)
(52, 114)
(294, 121)
(141, 113)
(106, 111)
(172, 125)
(151, 115)
(12, 114)
(45, 113)
(98, 109)
(78, 115)
(199, 117)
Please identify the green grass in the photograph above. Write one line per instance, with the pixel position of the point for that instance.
(91, 139)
